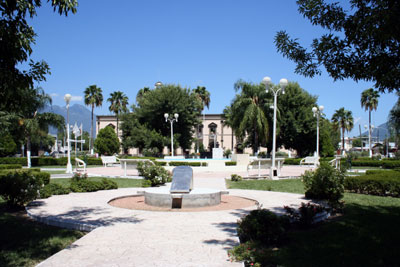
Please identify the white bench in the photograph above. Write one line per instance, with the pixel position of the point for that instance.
(109, 160)
(262, 163)
(132, 163)
(80, 164)
(310, 161)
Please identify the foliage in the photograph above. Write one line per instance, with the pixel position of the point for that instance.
(251, 254)
(93, 97)
(292, 161)
(185, 163)
(157, 175)
(118, 104)
(10, 166)
(230, 163)
(80, 183)
(17, 77)
(227, 153)
(170, 99)
(264, 226)
(19, 187)
(135, 134)
(236, 178)
(305, 215)
(107, 142)
(248, 113)
(203, 95)
(362, 43)
(343, 119)
(380, 183)
(281, 154)
(8, 146)
(53, 189)
(326, 183)
(394, 115)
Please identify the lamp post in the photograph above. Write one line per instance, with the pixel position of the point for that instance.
(317, 113)
(283, 83)
(171, 120)
(67, 99)
(369, 139)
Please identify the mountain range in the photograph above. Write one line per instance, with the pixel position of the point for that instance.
(378, 133)
(77, 114)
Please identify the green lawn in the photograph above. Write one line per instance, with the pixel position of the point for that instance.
(366, 235)
(24, 242)
(121, 182)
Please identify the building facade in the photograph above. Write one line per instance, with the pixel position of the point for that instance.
(212, 132)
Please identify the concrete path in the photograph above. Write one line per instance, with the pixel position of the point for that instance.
(122, 237)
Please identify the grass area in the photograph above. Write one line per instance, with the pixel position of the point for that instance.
(288, 185)
(366, 235)
(121, 182)
(24, 242)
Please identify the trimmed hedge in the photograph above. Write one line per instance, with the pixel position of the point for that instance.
(292, 161)
(187, 163)
(48, 161)
(10, 166)
(380, 183)
(230, 163)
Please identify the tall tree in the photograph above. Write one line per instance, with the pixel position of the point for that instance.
(394, 116)
(93, 97)
(369, 101)
(247, 114)
(362, 43)
(118, 104)
(16, 39)
(343, 119)
(203, 95)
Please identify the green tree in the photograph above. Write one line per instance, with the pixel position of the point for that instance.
(297, 126)
(247, 114)
(8, 147)
(107, 142)
(170, 99)
(343, 119)
(369, 101)
(361, 43)
(356, 142)
(93, 97)
(394, 116)
(328, 138)
(16, 39)
(118, 104)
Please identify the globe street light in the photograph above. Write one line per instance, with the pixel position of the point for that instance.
(283, 83)
(67, 99)
(171, 120)
(158, 84)
(317, 113)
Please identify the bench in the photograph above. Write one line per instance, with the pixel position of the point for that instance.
(132, 163)
(266, 164)
(336, 162)
(310, 161)
(109, 160)
(79, 164)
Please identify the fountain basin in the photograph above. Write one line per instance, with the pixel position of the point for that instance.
(198, 197)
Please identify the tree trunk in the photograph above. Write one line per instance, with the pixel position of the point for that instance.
(343, 140)
(28, 151)
(91, 132)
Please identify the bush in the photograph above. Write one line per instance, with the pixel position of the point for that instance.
(80, 183)
(380, 183)
(281, 154)
(263, 226)
(21, 161)
(326, 183)
(292, 161)
(10, 166)
(108, 184)
(230, 163)
(227, 153)
(185, 163)
(7, 146)
(262, 155)
(107, 142)
(19, 187)
(157, 175)
(236, 178)
(53, 189)
(305, 215)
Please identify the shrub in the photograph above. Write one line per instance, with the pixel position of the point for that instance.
(53, 189)
(108, 184)
(326, 183)
(21, 161)
(384, 183)
(19, 187)
(263, 226)
(10, 166)
(304, 216)
(107, 142)
(262, 155)
(230, 163)
(236, 178)
(185, 163)
(146, 183)
(281, 154)
(80, 183)
(7, 146)
(252, 255)
(292, 161)
(157, 175)
(227, 153)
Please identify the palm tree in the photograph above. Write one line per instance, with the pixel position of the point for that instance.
(247, 113)
(118, 103)
(204, 97)
(93, 97)
(343, 119)
(369, 101)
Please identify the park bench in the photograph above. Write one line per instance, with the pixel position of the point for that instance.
(106, 160)
(132, 163)
(263, 163)
(310, 161)
(79, 164)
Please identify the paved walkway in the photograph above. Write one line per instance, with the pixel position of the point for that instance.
(122, 237)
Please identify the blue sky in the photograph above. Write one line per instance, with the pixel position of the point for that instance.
(127, 45)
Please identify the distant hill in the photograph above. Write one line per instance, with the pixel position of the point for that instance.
(77, 113)
(380, 132)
